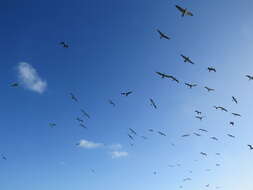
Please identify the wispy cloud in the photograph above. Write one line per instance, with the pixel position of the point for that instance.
(119, 154)
(89, 144)
(30, 79)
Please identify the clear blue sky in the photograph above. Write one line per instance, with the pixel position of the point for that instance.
(113, 48)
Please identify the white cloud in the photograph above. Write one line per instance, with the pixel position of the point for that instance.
(118, 154)
(30, 79)
(88, 144)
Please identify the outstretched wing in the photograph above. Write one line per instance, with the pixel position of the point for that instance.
(180, 9)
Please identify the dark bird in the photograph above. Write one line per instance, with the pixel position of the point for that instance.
(85, 113)
(162, 35)
(154, 173)
(126, 93)
(186, 59)
(231, 123)
(197, 134)
(198, 112)
(79, 119)
(209, 89)
(190, 85)
(112, 103)
(199, 117)
(161, 133)
(207, 185)
(3, 157)
(131, 137)
(249, 77)
(14, 84)
(187, 179)
(83, 126)
(167, 76)
(64, 44)
(232, 136)
(52, 125)
(237, 114)
(152, 103)
(217, 165)
(221, 108)
(184, 11)
(133, 131)
(218, 154)
(203, 130)
(203, 153)
(250, 146)
(211, 69)
(186, 135)
(234, 99)
(72, 96)
(151, 130)
(214, 138)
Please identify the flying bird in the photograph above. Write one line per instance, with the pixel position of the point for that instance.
(231, 123)
(161, 133)
(203, 153)
(249, 77)
(186, 59)
(209, 89)
(221, 108)
(83, 126)
(52, 124)
(126, 93)
(186, 135)
(184, 11)
(162, 35)
(197, 134)
(79, 119)
(211, 69)
(152, 103)
(200, 117)
(133, 131)
(218, 154)
(112, 103)
(187, 179)
(234, 99)
(190, 85)
(131, 137)
(250, 146)
(203, 130)
(64, 44)
(237, 114)
(14, 84)
(72, 96)
(214, 138)
(151, 130)
(3, 157)
(198, 112)
(217, 165)
(167, 76)
(232, 136)
(85, 114)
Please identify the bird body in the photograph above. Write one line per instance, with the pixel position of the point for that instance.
(190, 85)
(126, 93)
(211, 69)
(187, 59)
(162, 35)
(184, 11)
(152, 103)
(209, 89)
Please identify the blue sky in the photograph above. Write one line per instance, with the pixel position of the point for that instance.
(114, 48)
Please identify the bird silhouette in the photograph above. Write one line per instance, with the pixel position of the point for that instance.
(234, 99)
(231, 123)
(214, 138)
(199, 117)
(85, 114)
(237, 114)
(184, 11)
(203, 153)
(211, 69)
(152, 103)
(112, 103)
(232, 136)
(221, 108)
(161, 133)
(190, 85)
(64, 44)
(209, 89)
(132, 131)
(249, 77)
(162, 35)
(198, 112)
(187, 59)
(72, 96)
(203, 130)
(126, 93)
(250, 146)
(168, 76)
(52, 125)
(14, 84)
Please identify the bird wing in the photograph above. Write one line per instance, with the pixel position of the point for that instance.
(189, 13)
(180, 8)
